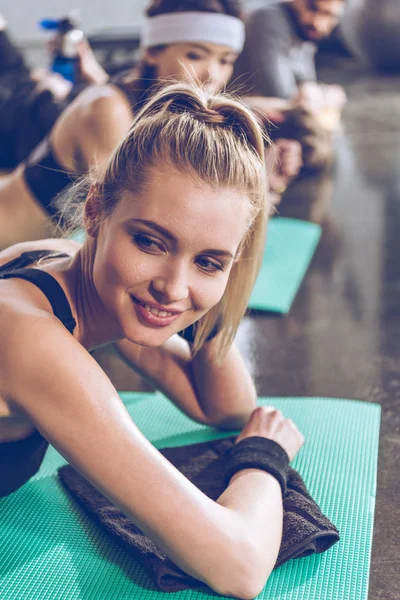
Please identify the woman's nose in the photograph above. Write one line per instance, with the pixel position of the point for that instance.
(171, 285)
(208, 73)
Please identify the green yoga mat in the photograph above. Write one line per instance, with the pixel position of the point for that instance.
(290, 247)
(51, 550)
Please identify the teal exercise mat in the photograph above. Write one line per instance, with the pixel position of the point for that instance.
(51, 550)
(290, 247)
(291, 244)
(78, 236)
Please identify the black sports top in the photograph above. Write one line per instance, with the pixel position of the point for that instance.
(43, 174)
(21, 459)
(45, 177)
(44, 281)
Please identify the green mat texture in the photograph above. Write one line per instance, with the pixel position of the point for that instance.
(290, 247)
(291, 244)
(51, 550)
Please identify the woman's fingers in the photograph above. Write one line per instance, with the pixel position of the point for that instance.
(270, 423)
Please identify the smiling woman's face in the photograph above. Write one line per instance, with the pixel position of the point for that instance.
(163, 257)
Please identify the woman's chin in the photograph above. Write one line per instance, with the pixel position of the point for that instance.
(147, 339)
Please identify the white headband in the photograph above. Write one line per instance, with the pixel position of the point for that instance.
(174, 28)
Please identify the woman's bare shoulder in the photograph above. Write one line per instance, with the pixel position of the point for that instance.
(35, 347)
(100, 99)
(97, 104)
(24, 324)
(90, 128)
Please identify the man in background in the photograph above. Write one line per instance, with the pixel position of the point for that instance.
(278, 59)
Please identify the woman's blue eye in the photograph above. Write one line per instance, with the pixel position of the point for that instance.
(209, 265)
(146, 243)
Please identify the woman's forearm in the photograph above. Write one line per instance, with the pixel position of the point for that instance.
(222, 395)
(225, 390)
(236, 542)
(256, 497)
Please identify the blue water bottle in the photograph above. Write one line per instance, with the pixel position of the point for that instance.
(65, 56)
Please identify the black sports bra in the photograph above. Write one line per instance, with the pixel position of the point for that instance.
(21, 459)
(44, 175)
(44, 281)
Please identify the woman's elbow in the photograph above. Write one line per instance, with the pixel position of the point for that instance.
(228, 420)
(245, 578)
(243, 590)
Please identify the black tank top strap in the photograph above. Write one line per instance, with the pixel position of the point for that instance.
(50, 288)
(27, 258)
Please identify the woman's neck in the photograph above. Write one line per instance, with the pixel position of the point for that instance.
(95, 326)
(137, 84)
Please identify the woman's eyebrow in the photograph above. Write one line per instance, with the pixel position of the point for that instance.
(200, 47)
(208, 51)
(221, 253)
(156, 227)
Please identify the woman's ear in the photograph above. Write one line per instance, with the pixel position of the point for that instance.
(92, 214)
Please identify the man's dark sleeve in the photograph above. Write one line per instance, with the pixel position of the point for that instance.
(265, 67)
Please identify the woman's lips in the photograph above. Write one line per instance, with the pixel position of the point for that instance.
(152, 316)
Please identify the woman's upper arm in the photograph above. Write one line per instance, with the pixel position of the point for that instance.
(168, 369)
(106, 120)
(91, 127)
(221, 394)
(74, 405)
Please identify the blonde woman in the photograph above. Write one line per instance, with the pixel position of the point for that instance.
(158, 260)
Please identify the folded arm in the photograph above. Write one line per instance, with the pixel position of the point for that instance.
(231, 544)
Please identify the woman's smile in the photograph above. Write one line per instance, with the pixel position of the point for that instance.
(154, 315)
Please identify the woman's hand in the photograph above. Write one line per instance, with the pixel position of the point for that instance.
(266, 421)
(318, 96)
(268, 109)
(287, 164)
(289, 159)
(89, 68)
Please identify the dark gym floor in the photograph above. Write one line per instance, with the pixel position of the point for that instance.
(342, 336)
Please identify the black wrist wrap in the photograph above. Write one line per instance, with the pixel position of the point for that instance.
(258, 453)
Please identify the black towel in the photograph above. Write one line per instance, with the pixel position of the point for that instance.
(305, 529)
